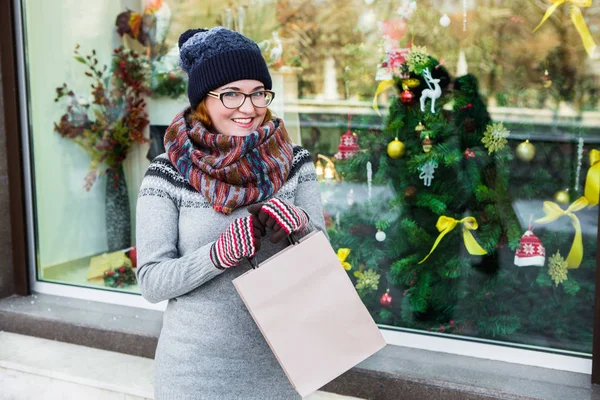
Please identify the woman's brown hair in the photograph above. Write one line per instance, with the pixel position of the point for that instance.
(201, 114)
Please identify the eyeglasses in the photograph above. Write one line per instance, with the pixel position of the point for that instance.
(259, 99)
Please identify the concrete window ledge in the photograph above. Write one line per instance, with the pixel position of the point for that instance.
(393, 373)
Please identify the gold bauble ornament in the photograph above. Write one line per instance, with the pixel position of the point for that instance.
(396, 148)
(525, 151)
(562, 197)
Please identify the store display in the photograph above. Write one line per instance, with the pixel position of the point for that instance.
(505, 121)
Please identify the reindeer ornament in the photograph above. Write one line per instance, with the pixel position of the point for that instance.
(433, 93)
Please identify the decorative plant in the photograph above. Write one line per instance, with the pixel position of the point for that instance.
(119, 277)
(115, 115)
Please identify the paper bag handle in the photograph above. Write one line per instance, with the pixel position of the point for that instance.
(291, 240)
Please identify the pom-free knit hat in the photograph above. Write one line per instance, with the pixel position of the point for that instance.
(214, 57)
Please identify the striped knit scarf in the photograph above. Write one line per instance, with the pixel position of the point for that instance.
(230, 171)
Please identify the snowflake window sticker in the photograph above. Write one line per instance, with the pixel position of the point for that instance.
(494, 137)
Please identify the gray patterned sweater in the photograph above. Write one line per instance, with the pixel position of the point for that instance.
(209, 346)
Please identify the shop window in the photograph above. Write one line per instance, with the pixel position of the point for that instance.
(464, 203)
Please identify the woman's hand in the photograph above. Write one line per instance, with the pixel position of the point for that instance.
(280, 216)
(240, 240)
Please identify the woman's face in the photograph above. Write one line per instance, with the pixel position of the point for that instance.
(239, 121)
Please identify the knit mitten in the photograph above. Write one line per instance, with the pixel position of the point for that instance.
(280, 216)
(240, 240)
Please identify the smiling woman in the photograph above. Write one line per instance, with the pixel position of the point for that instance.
(205, 206)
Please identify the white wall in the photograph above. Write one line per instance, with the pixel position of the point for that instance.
(70, 221)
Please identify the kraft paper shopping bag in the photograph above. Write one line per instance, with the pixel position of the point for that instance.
(309, 313)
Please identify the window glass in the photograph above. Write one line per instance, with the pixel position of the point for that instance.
(456, 143)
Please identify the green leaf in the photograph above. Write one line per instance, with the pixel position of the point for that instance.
(80, 59)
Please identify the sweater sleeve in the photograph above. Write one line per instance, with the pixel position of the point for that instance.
(162, 274)
(308, 198)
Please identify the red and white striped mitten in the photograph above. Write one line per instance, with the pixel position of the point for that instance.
(240, 240)
(280, 216)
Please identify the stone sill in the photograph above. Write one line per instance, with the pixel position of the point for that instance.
(393, 372)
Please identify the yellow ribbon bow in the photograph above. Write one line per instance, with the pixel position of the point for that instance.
(590, 198)
(382, 87)
(576, 18)
(592, 181)
(554, 212)
(446, 224)
(342, 254)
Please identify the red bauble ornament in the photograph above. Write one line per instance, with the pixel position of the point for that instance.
(469, 153)
(348, 146)
(386, 299)
(407, 96)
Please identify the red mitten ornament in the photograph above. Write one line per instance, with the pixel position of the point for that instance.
(530, 251)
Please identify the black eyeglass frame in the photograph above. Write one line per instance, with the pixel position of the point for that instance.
(246, 95)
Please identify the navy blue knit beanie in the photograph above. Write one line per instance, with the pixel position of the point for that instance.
(214, 57)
